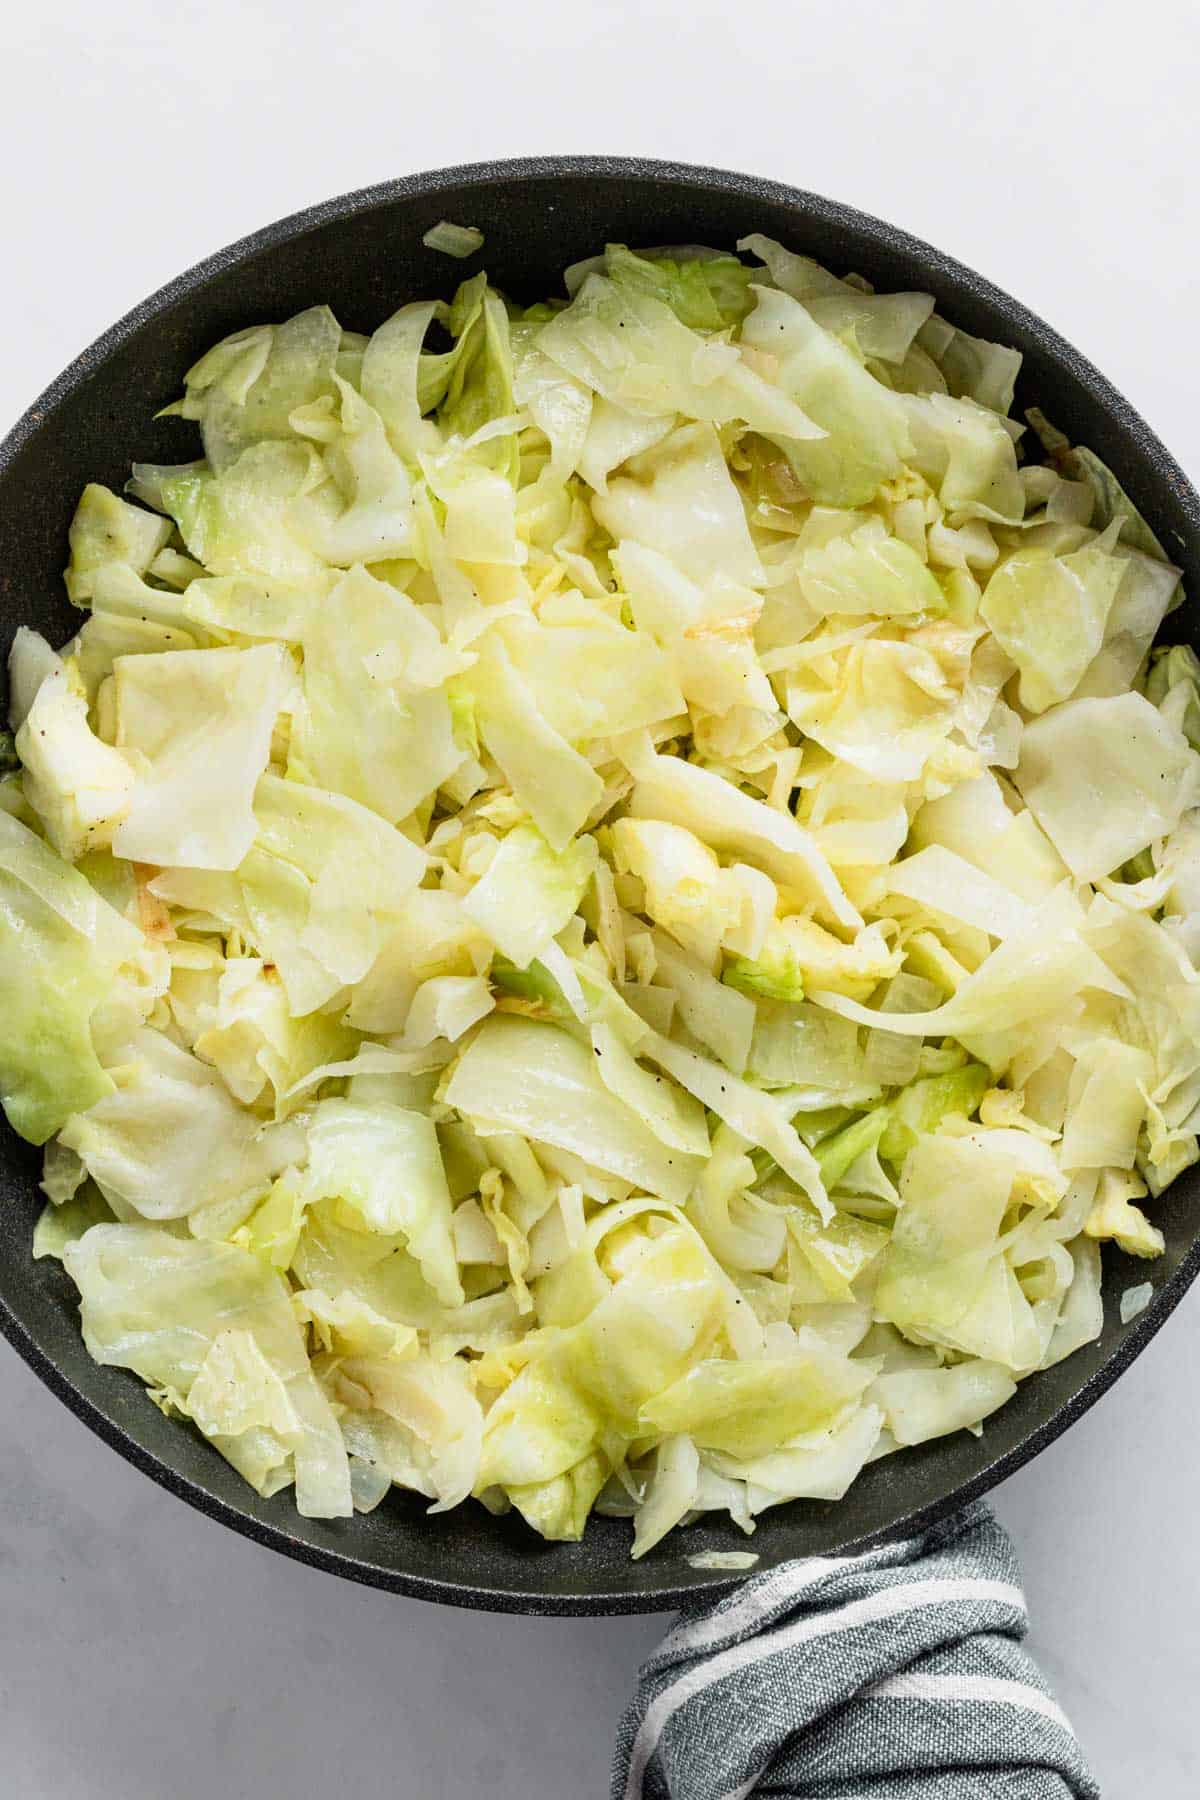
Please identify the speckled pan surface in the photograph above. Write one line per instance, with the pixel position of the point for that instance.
(363, 254)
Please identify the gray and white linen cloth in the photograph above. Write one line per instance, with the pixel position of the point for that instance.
(898, 1674)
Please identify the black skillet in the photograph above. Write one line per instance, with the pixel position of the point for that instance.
(363, 253)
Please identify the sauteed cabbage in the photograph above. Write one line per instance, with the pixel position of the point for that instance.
(603, 910)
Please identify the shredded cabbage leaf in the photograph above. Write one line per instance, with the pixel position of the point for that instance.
(604, 911)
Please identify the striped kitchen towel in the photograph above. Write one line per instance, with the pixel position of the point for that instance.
(894, 1675)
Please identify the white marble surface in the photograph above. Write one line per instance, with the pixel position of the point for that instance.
(143, 1650)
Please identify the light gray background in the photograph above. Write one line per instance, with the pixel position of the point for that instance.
(145, 1652)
